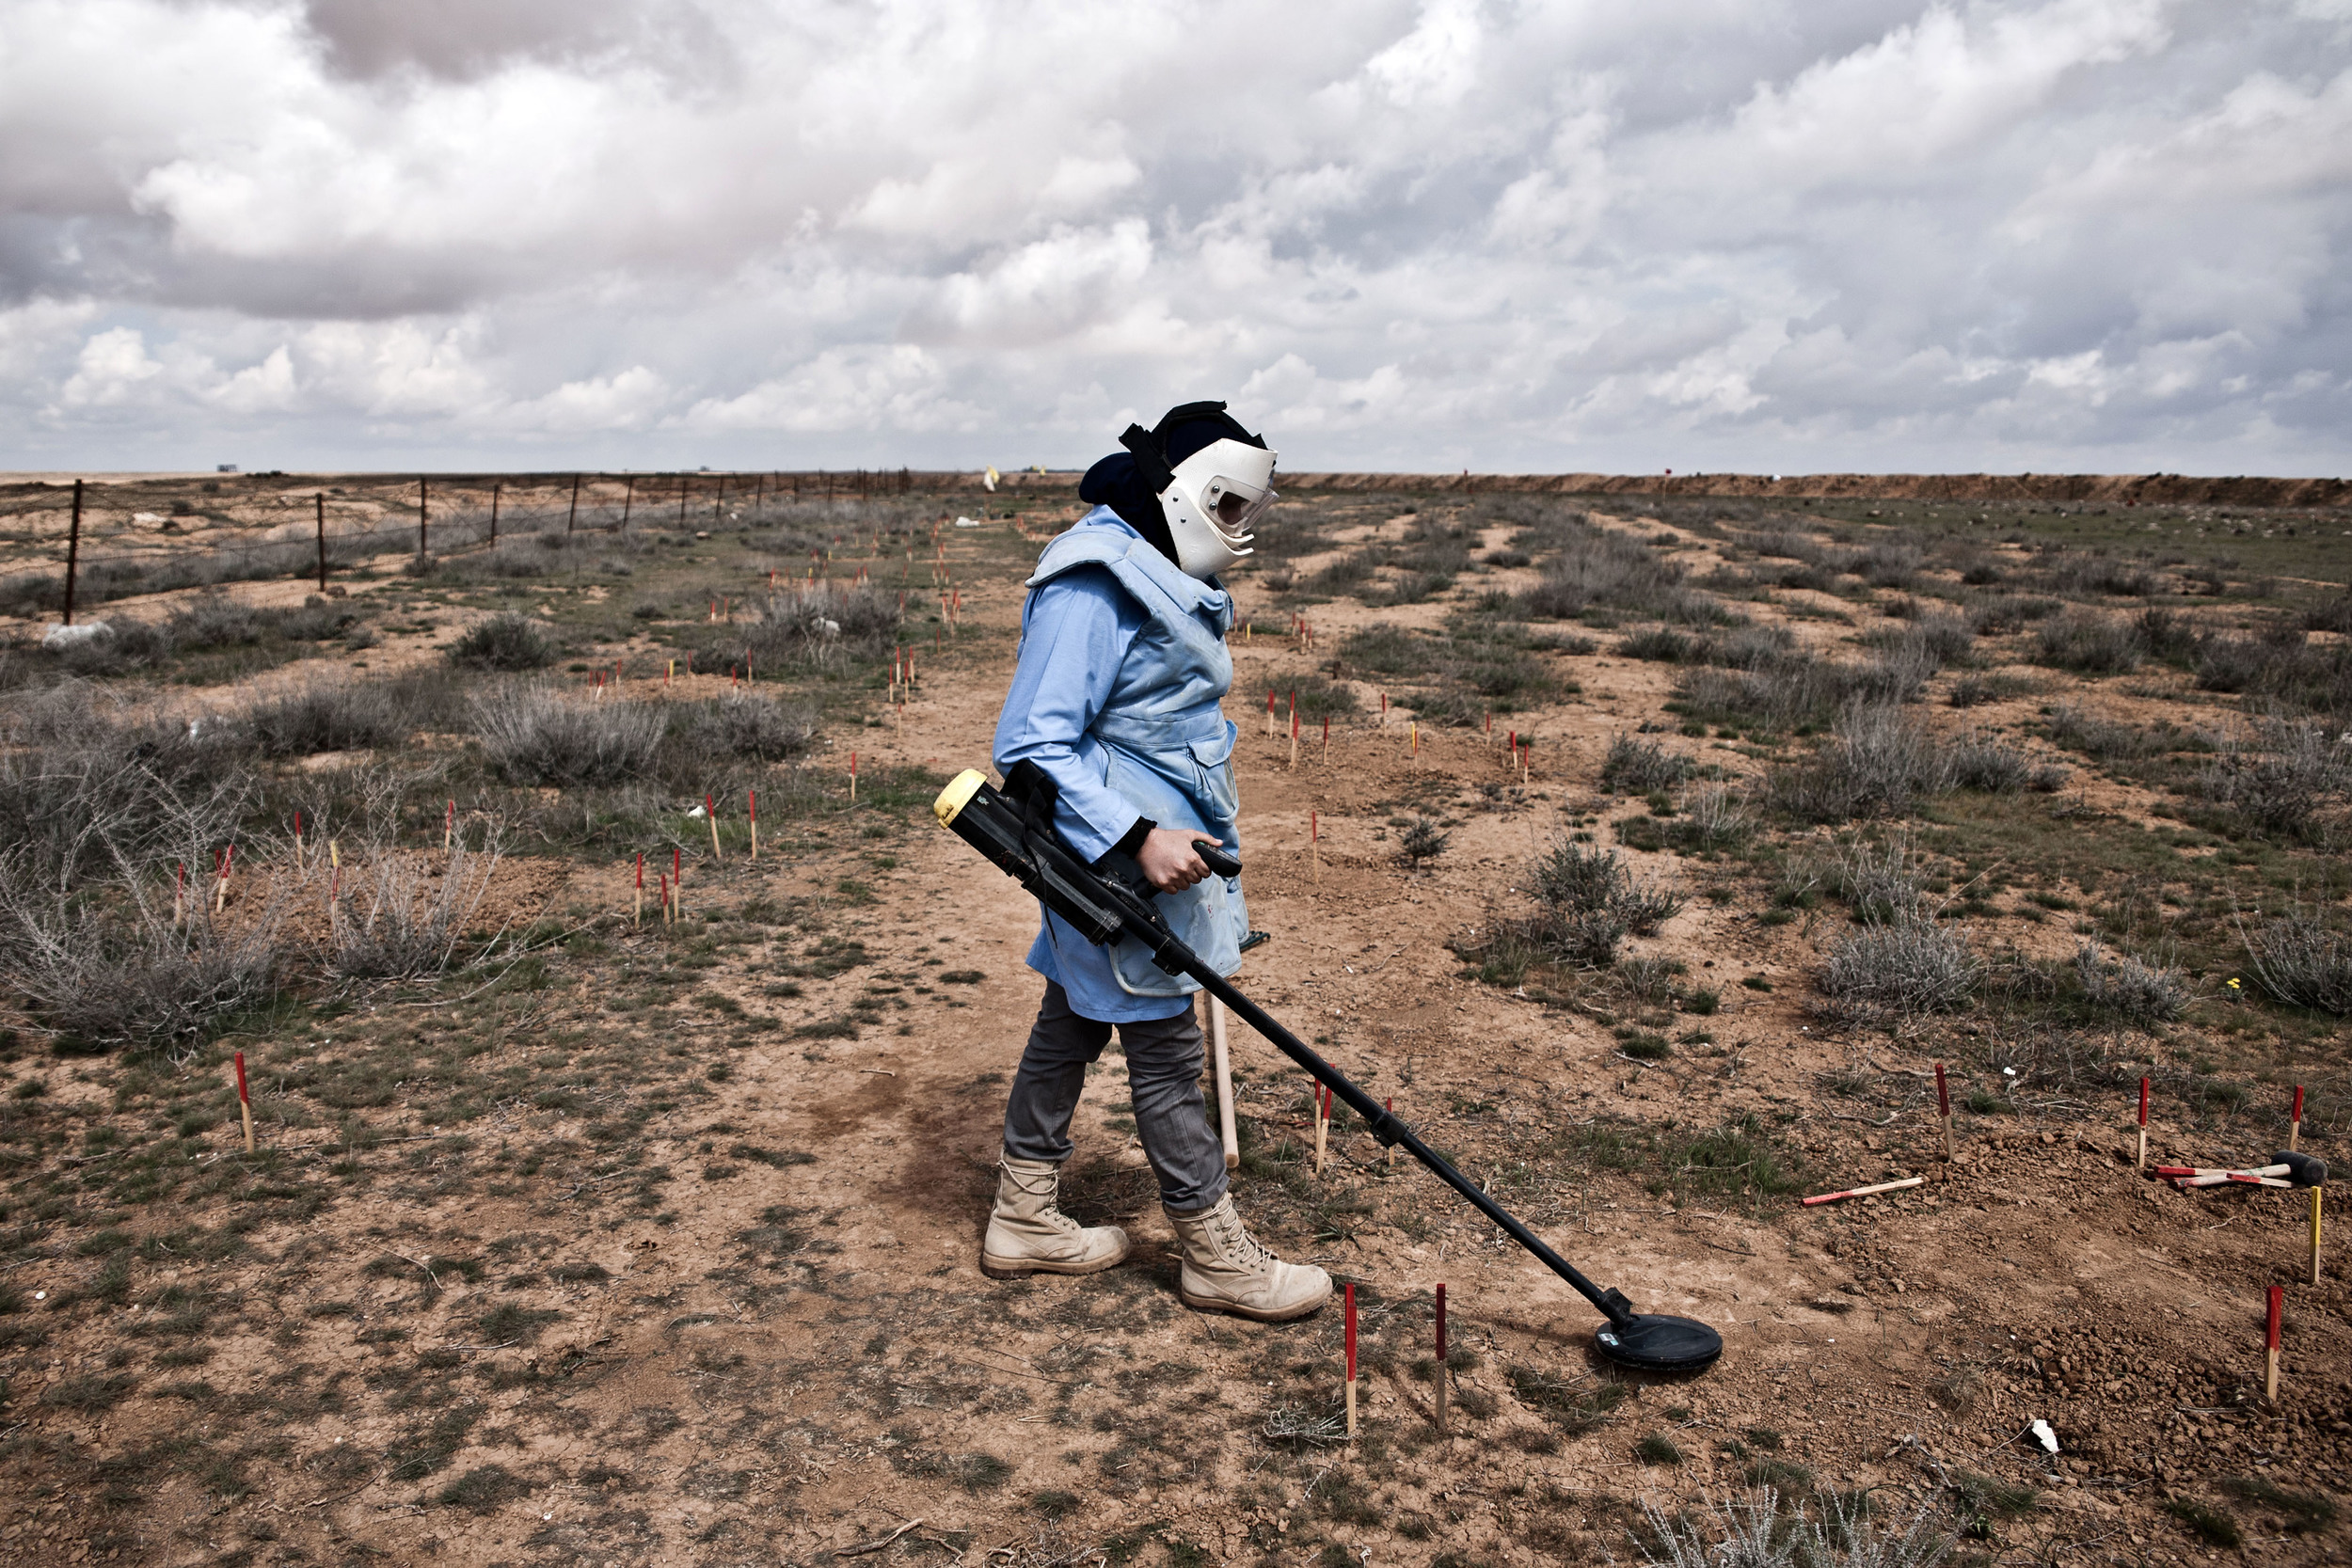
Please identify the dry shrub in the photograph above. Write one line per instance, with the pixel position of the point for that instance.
(90, 790)
(1636, 766)
(818, 627)
(1875, 761)
(1595, 567)
(2137, 992)
(1881, 883)
(756, 728)
(107, 966)
(2299, 961)
(2090, 644)
(1997, 768)
(339, 718)
(504, 641)
(533, 736)
(2293, 780)
(405, 917)
(1587, 900)
(1910, 965)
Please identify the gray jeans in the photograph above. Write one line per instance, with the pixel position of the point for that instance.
(1163, 1076)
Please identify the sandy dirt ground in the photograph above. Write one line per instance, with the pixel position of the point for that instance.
(808, 1361)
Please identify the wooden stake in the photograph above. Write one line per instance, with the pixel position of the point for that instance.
(2294, 1121)
(2315, 1192)
(755, 798)
(245, 1104)
(1225, 1129)
(1323, 1123)
(1441, 1376)
(1269, 715)
(854, 778)
(1943, 1108)
(710, 810)
(1315, 846)
(298, 838)
(221, 886)
(180, 896)
(449, 827)
(1349, 1307)
(2270, 1343)
(2141, 1162)
(1866, 1191)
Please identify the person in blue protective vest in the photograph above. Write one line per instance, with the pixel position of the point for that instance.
(1116, 694)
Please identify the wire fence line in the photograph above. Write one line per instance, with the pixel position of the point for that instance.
(426, 517)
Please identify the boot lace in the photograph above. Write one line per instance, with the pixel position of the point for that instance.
(1239, 1247)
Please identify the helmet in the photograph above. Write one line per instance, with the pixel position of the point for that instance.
(1213, 478)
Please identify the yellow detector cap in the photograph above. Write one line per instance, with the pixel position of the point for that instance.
(960, 790)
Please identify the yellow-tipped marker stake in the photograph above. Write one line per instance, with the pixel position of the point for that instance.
(2315, 1193)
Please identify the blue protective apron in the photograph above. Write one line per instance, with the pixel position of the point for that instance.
(1163, 743)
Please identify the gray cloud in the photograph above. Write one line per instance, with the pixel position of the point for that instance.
(1796, 235)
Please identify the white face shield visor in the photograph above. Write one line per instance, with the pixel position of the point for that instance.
(1212, 501)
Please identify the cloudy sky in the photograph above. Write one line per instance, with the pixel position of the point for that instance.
(1791, 235)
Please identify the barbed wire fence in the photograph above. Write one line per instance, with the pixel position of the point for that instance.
(318, 530)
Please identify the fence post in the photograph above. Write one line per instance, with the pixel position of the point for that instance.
(424, 510)
(72, 551)
(719, 507)
(494, 511)
(573, 516)
(321, 502)
(628, 498)
(685, 482)
(759, 493)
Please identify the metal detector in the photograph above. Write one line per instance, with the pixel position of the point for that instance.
(1111, 901)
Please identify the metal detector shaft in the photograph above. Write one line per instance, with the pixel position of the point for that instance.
(1390, 1128)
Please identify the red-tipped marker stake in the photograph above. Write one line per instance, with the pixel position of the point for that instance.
(298, 838)
(1440, 1375)
(2270, 1344)
(449, 826)
(1269, 715)
(1315, 843)
(755, 799)
(1348, 1302)
(244, 1108)
(1866, 1191)
(1943, 1108)
(2294, 1121)
(2142, 1163)
(638, 916)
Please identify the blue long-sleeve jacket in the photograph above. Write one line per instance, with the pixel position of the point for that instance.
(1115, 695)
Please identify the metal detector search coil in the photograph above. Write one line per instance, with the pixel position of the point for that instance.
(1111, 901)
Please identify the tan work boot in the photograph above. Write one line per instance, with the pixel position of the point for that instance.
(1226, 1270)
(1027, 1234)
